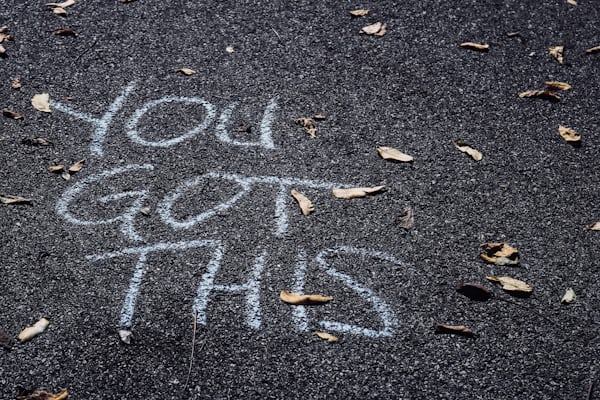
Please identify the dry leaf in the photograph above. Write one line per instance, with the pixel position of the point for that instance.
(305, 204)
(125, 336)
(557, 85)
(353, 193)
(572, 2)
(359, 13)
(59, 11)
(229, 49)
(64, 4)
(500, 254)
(2, 49)
(465, 148)
(24, 394)
(569, 297)
(510, 284)
(297, 298)
(475, 46)
(5, 340)
(64, 32)
(376, 29)
(309, 126)
(319, 117)
(12, 114)
(16, 84)
(66, 175)
(327, 336)
(41, 102)
(38, 141)
(557, 53)
(186, 71)
(593, 50)
(542, 94)
(34, 330)
(11, 199)
(568, 134)
(594, 227)
(390, 153)
(406, 220)
(455, 329)
(77, 166)
(56, 168)
(4, 29)
(473, 291)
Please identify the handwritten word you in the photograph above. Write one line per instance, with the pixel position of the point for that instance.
(101, 124)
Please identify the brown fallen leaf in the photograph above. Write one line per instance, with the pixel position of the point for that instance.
(376, 29)
(65, 32)
(5, 340)
(11, 199)
(390, 153)
(309, 126)
(37, 141)
(510, 284)
(359, 13)
(186, 71)
(33, 330)
(24, 394)
(353, 193)
(16, 84)
(297, 298)
(467, 149)
(327, 336)
(572, 2)
(59, 11)
(77, 166)
(595, 226)
(500, 254)
(568, 134)
(555, 85)
(569, 297)
(305, 204)
(452, 329)
(64, 4)
(542, 94)
(12, 114)
(557, 53)
(56, 168)
(475, 46)
(41, 102)
(473, 291)
(406, 220)
(593, 50)
(2, 50)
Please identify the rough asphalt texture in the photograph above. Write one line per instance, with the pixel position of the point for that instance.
(414, 89)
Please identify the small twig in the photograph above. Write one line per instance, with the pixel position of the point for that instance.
(86, 50)
(276, 33)
(187, 380)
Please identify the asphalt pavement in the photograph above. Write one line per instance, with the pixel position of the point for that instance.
(179, 231)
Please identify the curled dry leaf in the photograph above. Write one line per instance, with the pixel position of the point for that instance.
(359, 13)
(64, 32)
(41, 102)
(309, 126)
(12, 114)
(542, 94)
(390, 153)
(473, 291)
(125, 336)
(327, 336)
(64, 4)
(77, 166)
(557, 53)
(24, 394)
(406, 220)
(595, 226)
(465, 148)
(353, 193)
(455, 329)
(56, 168)
(510, 284)
(593, 50)
(499, 254)
(475, 46)
(569, 297)
(37, 141)
(11, 199)
(16, 84)
(305, 204)
(34, 330)
(5, 340)
(568, 134)
(376, 29)
(186, 71)
(556, 85)
(297, 298)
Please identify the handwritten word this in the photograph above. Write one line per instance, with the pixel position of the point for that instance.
(101, 125)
